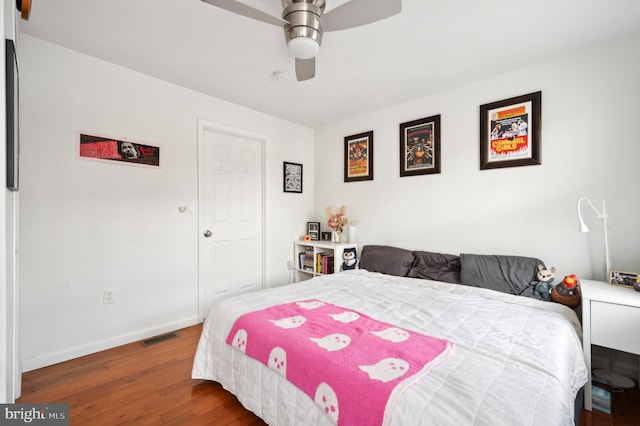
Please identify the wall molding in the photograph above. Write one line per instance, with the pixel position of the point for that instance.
(93, 347)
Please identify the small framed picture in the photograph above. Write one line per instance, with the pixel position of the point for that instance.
(510, 132)
(326, 236)
(625, 279)
(420, 147)
(358, 157)
(292, 177)
(313, 230)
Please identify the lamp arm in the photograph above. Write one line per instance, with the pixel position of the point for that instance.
(603, 217)
(606, 239)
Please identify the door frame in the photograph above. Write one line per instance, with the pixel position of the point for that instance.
(205, 125)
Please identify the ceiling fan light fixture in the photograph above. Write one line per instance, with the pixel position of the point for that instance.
(303, 32)
(304, 47)
(301, 22)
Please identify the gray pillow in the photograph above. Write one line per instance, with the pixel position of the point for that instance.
(436, 266)
(508, 274)
(386, 259)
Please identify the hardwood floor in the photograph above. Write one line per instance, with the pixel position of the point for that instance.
(149, 385)
(152, 385)
(625, 410)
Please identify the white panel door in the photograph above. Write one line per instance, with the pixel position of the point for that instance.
(230, 214)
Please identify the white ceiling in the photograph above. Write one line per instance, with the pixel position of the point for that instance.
(433, 45)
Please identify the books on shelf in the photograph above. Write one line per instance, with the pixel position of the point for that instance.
(324, 263)
(601, 399)
(317, 258)
(306, 260)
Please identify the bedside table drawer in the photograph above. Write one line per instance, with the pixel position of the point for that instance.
(615, 326)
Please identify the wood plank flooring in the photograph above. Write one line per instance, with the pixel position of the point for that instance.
(625, 410)
(129, 384)
(152, 385)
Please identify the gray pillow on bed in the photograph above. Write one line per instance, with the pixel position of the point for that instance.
(508, 274)
(436, 266)
(386, 259)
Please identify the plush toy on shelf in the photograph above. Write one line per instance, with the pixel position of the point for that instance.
(542, 284)
(350, 257)
(567, 292)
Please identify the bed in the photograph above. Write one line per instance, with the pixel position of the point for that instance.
(502, 358)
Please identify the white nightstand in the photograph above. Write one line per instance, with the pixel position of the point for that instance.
(610, 318)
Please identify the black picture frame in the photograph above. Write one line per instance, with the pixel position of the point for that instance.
(313, 230)
(358, 157)
(292, 177)
(510, 132)
(12, 107)
(420, 146)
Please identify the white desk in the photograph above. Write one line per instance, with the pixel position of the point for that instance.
(610, 318)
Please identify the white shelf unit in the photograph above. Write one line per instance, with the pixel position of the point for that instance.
(316, 248)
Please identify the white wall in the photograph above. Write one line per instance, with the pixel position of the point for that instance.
(590, 147)
(88, 225)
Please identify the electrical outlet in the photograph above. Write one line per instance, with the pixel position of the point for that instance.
(290, 265)
(109, 296)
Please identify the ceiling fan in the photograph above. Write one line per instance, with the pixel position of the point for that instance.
(304, 21)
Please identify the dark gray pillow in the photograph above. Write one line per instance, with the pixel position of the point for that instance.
(508, 274)
(435, 266)
(386, 259)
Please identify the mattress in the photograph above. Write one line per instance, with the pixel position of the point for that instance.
(513, 360)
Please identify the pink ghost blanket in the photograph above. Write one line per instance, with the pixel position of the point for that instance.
(353, 366)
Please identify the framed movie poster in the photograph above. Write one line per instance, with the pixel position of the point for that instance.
(120, 150)
(420, 146)
(510, 132)
(358, 157)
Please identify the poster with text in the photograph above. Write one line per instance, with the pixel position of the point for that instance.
(103, 148)
(358, 157)
(510, 133)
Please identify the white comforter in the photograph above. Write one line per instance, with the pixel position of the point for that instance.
(515, 360)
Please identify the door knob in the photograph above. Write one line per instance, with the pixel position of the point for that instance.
(207, 233)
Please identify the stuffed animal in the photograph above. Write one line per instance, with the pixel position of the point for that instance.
(568, 286)
(542, 284)
(567, 292)
(350, 257)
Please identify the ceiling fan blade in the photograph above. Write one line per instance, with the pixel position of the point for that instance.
(248, 11)
(305, 69)
(356, 13)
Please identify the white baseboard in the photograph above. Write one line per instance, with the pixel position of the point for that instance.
(93, 347)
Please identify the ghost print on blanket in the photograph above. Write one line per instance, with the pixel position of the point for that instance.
(353, 356)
